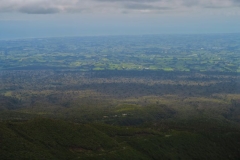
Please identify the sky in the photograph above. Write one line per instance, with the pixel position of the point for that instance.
(51, 18)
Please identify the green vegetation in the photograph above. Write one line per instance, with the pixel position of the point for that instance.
(55, 139)
(119, 115)
(218, 52)
(120, 97)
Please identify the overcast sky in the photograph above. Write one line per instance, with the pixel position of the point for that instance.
(47, 18)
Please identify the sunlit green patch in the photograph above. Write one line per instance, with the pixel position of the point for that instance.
(168, 69)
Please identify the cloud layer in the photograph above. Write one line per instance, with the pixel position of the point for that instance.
(111, 6)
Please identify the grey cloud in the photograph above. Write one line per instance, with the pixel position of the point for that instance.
(213, 7)
(217, 4)
(39, 10)
(119, 6)
(138, 1)
(236, 1)
(40, 6)
(144, 7)
(190, 3)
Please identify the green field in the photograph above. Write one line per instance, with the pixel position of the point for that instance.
(217, 52)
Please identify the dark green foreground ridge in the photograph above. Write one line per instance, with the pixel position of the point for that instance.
(56, 139)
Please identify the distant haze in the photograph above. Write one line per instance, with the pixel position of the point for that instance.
(42, 18)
